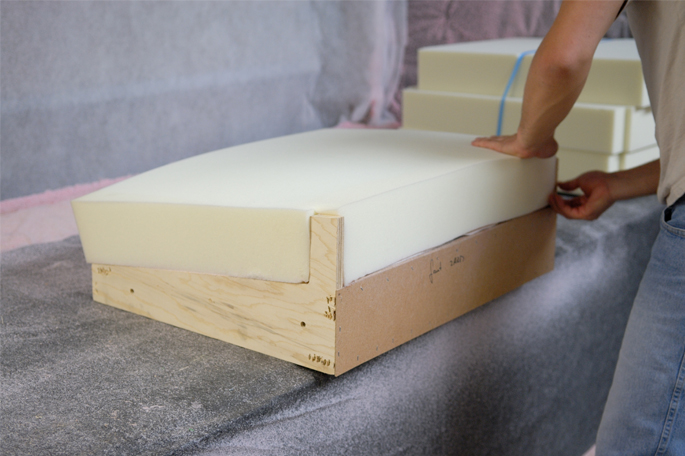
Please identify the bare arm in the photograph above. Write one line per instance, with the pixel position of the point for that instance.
(556, 77)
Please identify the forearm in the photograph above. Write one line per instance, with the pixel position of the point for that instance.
(640, 181)
(552, 87)
(560, 67)
(556, 77)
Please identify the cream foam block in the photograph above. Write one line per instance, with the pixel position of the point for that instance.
(573, 163)
(640, 129)
(484, 67)
(609, 129)
(639, 157)
(244, 211)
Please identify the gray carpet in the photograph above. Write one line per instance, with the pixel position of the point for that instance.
(525, 374)
(83, 378)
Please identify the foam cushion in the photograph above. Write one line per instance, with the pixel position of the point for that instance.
(639, 157)
(573, 163)
(610, 129)
(244, 211)
(640, 129)
(484, 67)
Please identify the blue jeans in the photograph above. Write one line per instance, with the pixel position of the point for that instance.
(645, 411)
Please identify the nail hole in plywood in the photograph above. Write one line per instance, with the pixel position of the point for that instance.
(131, 290)
(303, 324)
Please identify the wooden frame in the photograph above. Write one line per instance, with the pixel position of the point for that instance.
(323, 325)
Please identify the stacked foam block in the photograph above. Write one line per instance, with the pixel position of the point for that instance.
(461, 89)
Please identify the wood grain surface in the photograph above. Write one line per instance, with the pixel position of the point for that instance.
(293, 322)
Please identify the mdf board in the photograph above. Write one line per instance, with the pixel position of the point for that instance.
(484, 68)
(610, 129)
(324, 325)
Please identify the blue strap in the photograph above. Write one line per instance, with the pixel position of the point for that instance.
(506, 90)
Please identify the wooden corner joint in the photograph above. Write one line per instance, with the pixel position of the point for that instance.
(326, 251)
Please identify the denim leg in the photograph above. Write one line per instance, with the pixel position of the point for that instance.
(645, 411)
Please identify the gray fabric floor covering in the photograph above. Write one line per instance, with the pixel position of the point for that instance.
(525, 374)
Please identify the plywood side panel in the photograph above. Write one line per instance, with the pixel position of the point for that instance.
(390, 307)
(294, 322)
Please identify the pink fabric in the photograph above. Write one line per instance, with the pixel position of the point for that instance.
(55, 196)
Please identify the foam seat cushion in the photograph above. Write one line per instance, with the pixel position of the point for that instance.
(573, 163)
(484, 67)
(610, 129)
(244, 211)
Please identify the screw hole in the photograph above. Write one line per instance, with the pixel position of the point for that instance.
(303, 324)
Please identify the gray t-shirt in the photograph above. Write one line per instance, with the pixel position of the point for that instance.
(659, 30)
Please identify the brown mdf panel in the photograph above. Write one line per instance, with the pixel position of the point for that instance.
(293, 322)
(392, 306)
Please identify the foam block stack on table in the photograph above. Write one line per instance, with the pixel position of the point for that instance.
(246, 244)
(461, 86)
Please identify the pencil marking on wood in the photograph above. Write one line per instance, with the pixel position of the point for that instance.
(434, 270)
(319, 359)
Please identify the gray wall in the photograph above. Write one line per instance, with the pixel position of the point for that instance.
(93, 89)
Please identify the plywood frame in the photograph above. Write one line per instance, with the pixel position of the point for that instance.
(323, 325)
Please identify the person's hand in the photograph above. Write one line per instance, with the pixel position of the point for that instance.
(513, 145)
(596, 198)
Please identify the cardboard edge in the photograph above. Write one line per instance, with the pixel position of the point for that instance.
(392, 306)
